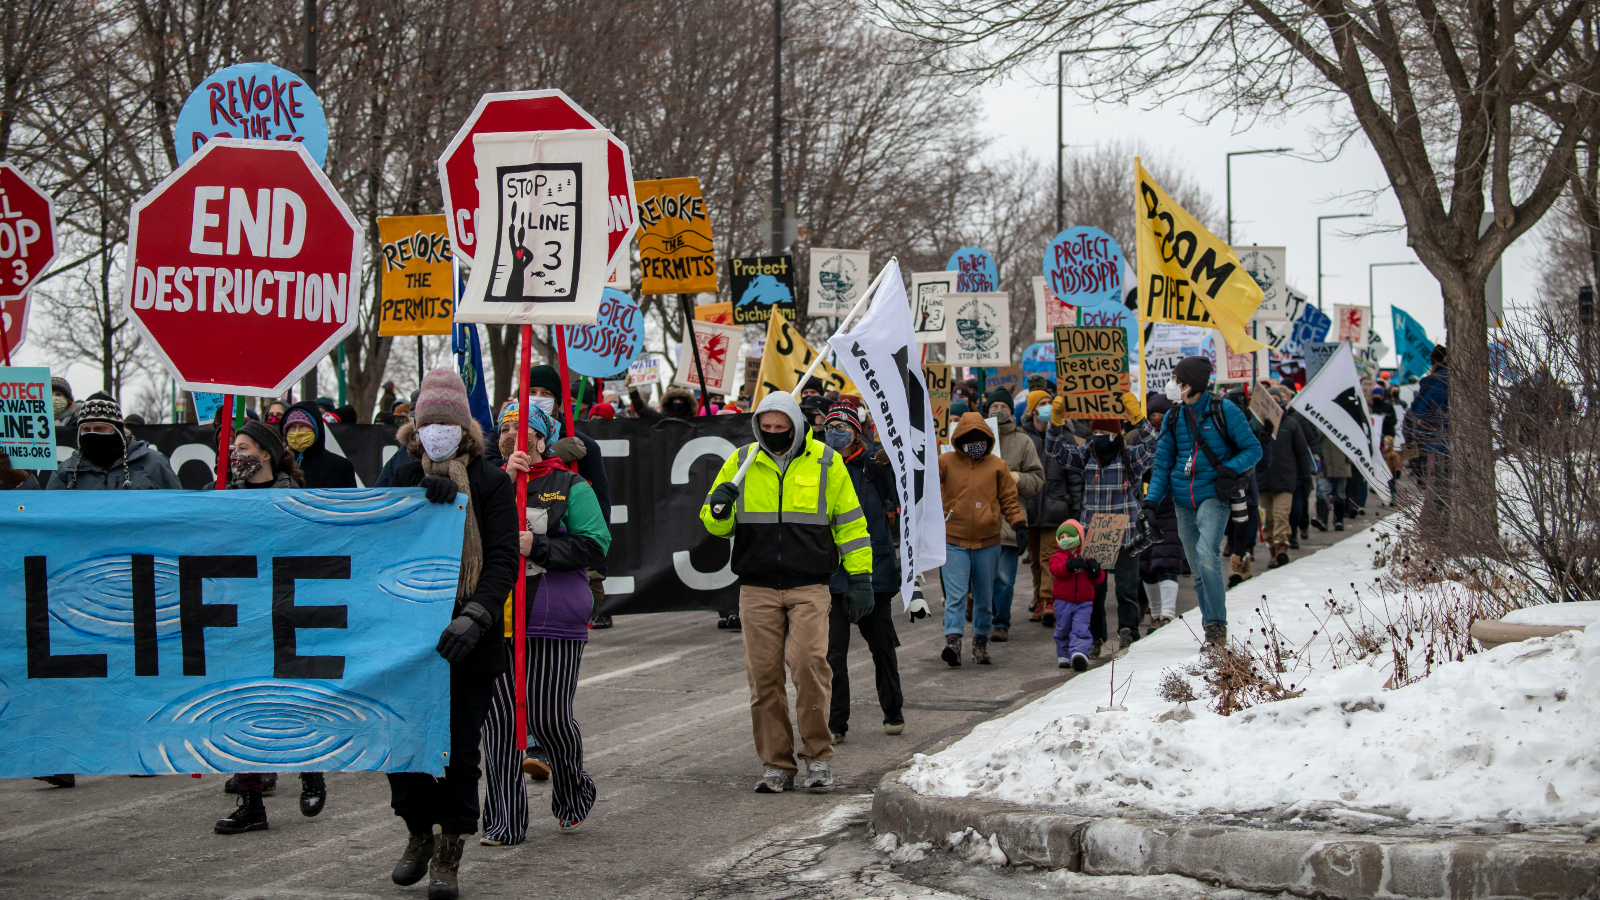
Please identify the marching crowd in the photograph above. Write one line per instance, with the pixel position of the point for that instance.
(1189, 477)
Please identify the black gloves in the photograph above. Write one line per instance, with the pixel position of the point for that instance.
(858, 597)
(1148, 532)
(463, 632)
(1075, 564)
(439, 489)
(721, 499)
(1093, 568)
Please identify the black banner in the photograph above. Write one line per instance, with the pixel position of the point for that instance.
(661, 560)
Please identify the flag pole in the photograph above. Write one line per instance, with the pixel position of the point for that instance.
(224, 439)
(519, 590)
(844, 323)
(704, 407)
(566, 390)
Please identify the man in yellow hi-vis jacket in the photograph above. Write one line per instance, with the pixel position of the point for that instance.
(793, 519)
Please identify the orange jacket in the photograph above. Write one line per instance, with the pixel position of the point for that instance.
(977, 494)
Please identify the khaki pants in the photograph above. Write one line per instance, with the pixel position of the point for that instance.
(1275, 518)
(787, 627)
(1041, 546)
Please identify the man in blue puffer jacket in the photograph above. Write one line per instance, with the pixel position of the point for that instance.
(1184, 469)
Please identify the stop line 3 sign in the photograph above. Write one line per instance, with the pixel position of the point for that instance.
(27, 233)
(530, 111)
(244, 267)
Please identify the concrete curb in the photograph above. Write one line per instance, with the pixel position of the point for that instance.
(1304, 863)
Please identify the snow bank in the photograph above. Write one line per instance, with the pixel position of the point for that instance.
(1507, 734)
(1586, 612)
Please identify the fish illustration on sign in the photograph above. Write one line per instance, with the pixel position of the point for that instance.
(975, 327)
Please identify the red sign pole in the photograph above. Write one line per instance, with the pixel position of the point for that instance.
(5, 342)
(519, 606)
(566, 387)
(224, 440)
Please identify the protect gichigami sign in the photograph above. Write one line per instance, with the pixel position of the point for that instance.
(1092, 371)
(191, 632)
(417, 278)
(759, 285)
(27, 423)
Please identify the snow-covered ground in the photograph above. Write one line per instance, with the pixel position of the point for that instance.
(1585, 613)
(1508, 734)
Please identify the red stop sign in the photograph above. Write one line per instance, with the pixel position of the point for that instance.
(529, 111)
(247, 268)
(27, 233)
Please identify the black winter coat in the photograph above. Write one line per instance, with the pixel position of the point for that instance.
(1291, 459)
(494, 503)
(874, 484)
(1062, 496)
(1168, 554)
(322, 467)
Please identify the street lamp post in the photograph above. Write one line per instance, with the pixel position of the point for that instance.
(1230, 180)
(1061, 137)
(1320, 220)
(1372, 316)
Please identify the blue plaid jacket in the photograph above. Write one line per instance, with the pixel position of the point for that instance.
(1108, 488)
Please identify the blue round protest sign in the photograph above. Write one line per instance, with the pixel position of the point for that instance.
(1083, 266)
(608, 346)
(1040, 359)
(253, 101)
(976, 270)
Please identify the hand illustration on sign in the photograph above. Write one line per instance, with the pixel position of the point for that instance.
(927, 303)
(541, 198)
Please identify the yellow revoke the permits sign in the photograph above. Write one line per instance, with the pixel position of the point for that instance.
(1187, 275)
(418, 287)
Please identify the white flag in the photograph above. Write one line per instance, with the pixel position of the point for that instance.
(881, 355)
(1332, 401)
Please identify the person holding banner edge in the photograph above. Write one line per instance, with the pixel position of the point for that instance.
(445, 445)
(1205, 449)
(794, 520)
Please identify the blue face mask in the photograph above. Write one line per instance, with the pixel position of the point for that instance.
(838, 440)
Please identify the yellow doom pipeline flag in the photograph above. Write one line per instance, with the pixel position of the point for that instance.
(1187, 275)
(786, 358)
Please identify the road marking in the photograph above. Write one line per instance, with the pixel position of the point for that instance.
(636, 667)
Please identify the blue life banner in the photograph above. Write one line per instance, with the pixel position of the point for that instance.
(241, 631)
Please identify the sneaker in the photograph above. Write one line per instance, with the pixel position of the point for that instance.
(952, 650)
(61, 781)
(837, 737)
(536, 764)
(487, 841)
(819, 776)
(1235, 580)
(1319, 524)
(568, 826)
(1048, 620)
(733, 623)
(1001, 635)
(313, 793)
(1063, 663)
(1125, 639)
(980, 649)
(413, 862)
(1157, 622)
(605, 622)
(1080, 663)
(1217, 633)
(249, 815)
(1294, 542)
(896, 726)
(1283, 559)
(1095, 648)
(1305, 534)
(775, 781)
(444, 865)
(1272, 563)
(1338, 526)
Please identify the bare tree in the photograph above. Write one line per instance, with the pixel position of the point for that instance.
(1470, 107)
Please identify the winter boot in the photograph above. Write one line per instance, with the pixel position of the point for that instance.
(1217, 634)
(1000, 635)
(442, 868)
(1048, 618)
(1125, 639)
(313, 793)
(413, 862)
(249, 815)
(952, 650)
(269, 783)
(980, 649)
(231, 786)
(61, 781)
(1080, 663)
(1095, 648)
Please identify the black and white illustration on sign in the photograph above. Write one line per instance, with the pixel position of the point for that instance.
(537, 246)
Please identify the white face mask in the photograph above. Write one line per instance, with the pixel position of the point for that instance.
(546, 405)
(1174, 391)
(439, 440)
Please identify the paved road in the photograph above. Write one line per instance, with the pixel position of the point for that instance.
(664, 708)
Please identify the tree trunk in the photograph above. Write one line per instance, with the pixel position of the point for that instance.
(503, 357)
(365, 364)
(1470, 501)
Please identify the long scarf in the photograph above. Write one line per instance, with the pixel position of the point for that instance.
(455, 469)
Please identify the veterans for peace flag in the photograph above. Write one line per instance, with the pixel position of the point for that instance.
(880, 353)
(1333, 400)
(1187, 275)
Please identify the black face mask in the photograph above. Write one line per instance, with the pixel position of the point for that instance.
(100, 449)
(777, 441)
(677, 408)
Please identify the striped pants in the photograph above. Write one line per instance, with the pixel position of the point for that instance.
(552, 681)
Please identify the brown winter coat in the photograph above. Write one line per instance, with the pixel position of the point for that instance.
(978, 496)
(1022, 458)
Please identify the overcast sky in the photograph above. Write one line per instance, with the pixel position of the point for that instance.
(1276, 199)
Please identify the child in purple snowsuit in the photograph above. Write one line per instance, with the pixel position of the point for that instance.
(1076, 580)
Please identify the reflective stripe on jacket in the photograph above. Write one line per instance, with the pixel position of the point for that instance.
(792, 528)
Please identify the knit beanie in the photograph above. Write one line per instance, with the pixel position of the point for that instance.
(300, 416)
(59, 384)
(265, 436)
(1157, 402)
(1037, 397)
(537, 420)
(1194, 371)
(101, 407)
(844, 412)
(602, 411)
(1000, 395)
(545, 377)
(1072, 528)
(443, 400)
